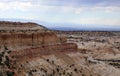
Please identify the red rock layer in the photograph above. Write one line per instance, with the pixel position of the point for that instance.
(44, 50)
(29, 39)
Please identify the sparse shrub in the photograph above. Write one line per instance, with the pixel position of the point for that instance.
(47, 60)
(64, 72)
(7, 62)
(57, 69)
(83, 75)
(10, 73)
(75, 69)
(30, 73)
(9, 52)
(52, 62)
(5, 47)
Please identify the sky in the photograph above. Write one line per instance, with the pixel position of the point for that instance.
(97, 12)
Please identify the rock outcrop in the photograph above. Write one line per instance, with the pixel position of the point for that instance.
(17, 35)
(29, 39)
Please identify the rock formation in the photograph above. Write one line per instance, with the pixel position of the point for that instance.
(28, 41)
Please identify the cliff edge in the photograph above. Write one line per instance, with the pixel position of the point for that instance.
(6, 25)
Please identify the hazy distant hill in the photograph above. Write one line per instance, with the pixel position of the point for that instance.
(67, 27)
(70, 26)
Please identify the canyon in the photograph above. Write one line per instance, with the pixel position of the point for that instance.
(29, 49)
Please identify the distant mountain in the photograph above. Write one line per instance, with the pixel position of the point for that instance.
(69, 26)
(85, 28)
(78, 27)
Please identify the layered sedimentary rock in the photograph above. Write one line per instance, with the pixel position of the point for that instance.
(34, 52)
(17, 34)
(26, 42)
(29, 39)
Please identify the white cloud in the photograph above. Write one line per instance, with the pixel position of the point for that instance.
(3, 6)
(108, 9)
(31, 6)
(78, 10)
(23, 6)
(99, 21)
(92, 21)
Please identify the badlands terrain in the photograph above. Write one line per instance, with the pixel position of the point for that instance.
(29, 49)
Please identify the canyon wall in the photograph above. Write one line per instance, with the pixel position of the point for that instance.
(29, 39)
(21, 42)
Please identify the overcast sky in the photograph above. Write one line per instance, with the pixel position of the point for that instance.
(105, 12)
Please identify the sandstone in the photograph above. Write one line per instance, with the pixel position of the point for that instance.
(29, 39)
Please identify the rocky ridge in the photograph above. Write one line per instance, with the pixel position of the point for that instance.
(6, 25)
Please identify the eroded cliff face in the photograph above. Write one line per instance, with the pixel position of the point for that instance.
(29, 39)
(17, 35)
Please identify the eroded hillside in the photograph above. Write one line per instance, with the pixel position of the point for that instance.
(102, 50)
